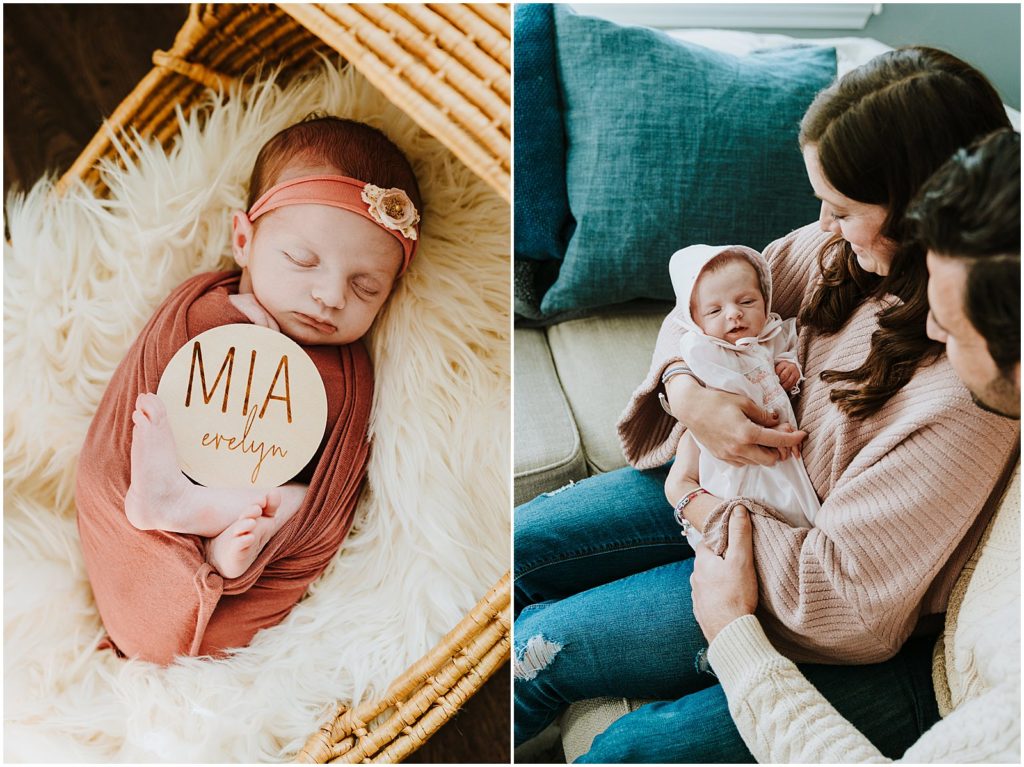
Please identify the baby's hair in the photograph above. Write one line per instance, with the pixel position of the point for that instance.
(352, 148)
(718, 263)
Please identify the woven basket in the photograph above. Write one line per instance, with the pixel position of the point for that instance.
(448, 67)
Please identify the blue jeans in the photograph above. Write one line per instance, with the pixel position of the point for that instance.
(602, 589)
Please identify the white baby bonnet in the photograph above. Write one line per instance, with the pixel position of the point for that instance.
(685, 268)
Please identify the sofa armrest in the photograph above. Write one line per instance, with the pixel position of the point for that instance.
(548, 450)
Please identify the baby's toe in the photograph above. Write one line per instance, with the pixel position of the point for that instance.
(252, 512)
(244, 526)
(151, 405)
(272, 503)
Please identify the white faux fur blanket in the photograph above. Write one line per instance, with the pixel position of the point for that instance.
(82, 275)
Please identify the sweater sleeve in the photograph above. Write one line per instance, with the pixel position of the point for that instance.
(783, 719)
(648, 434)
(850, 589)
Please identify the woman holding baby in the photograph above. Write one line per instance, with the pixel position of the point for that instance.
(902, 462)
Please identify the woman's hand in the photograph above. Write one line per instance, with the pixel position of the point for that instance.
(725, 588)
(247, 304)
(731, 426)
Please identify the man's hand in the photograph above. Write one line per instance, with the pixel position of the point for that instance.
(247, 304)
(788, 373)
(725, 588)
(731, 426)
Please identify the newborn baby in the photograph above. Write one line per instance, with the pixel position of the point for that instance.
(733, 342)
(331, 223)
(319, 253)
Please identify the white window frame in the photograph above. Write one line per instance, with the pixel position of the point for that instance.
(736, 15)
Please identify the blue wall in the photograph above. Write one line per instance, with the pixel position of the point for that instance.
(986, 35)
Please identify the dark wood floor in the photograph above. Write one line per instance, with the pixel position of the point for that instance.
(65, 68)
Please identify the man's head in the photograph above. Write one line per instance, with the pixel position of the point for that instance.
(967, 215)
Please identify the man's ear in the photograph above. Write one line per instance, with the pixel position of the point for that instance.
(1016, 376)
(241, 238)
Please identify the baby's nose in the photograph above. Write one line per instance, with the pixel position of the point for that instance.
(331, 296)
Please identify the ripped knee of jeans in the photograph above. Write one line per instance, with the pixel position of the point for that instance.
(533, 657)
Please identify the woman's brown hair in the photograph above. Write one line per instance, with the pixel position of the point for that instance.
(880, 132)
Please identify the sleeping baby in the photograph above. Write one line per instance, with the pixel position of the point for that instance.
(733, 342)
(332, 223)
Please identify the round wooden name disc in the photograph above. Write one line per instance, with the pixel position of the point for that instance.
(246, 405)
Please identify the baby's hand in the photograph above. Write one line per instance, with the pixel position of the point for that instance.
(786, 452)
(247, 304)
(789, 374)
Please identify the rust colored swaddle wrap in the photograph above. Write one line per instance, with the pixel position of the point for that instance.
(156, 594)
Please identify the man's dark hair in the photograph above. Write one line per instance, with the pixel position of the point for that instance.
(969, 210)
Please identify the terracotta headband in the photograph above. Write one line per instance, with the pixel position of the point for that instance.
(391, 209)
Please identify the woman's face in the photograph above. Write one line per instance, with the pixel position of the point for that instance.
(858, 223)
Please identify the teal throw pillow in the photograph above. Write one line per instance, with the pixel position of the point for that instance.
(672, 144)
(542, 221)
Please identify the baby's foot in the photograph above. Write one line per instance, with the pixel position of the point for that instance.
(233, 551)
(161, 497)
(158, 487)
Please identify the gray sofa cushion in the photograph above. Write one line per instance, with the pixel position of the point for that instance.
(548, 453)
(600, 361)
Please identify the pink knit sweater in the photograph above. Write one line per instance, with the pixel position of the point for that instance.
(905, 493)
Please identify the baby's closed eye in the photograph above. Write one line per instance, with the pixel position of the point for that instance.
(365, 289)
(299, 261)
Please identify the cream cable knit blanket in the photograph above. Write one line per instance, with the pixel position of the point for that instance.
(905, 493)
(977, 674)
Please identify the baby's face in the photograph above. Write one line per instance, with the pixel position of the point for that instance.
(728, 303)
(323, 273)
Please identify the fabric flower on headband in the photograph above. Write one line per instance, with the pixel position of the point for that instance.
(392, 209)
